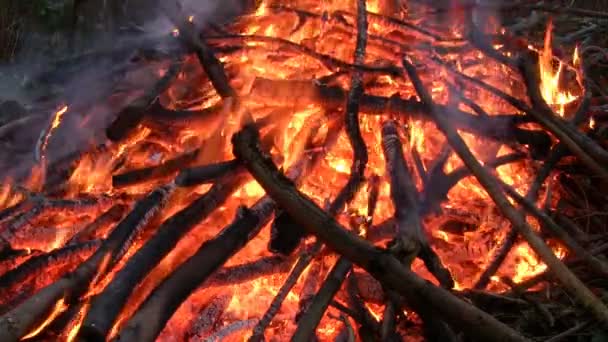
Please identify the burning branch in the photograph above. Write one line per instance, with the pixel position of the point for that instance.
(98, 228)
(190, 37)
(33, 267)
(327, 61)
(151, 317)
(491, 185)
(411, 240)
(380, 264)
(502, 128)
(106, 306)
(163, 170)
(132, 115)
(312, 316)
(22, 319)
(205, 174)
(45, 136)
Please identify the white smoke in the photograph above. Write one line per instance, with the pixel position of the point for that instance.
(85, 80)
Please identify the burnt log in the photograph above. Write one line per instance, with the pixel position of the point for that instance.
(12, 231)
(190, 37)
(285, 235)
(36, 265)
(249, 271)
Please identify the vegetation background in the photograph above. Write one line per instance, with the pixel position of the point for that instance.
(27, 26)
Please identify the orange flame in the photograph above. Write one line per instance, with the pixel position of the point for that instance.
(57, 117)
(551, 89)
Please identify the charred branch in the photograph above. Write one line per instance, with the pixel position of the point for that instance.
(305, 257)
(285, 235)
(310, 319)
(152, 315)
(439, 183)
(502, 128)
(230, 329)
(310, 287)
(132, 115)
(556, 154)
(313, 314)
(303, 261)
(99, 227)
(388, 331)
(411, 238)
(19, 321)
(492, 186)
(331, 63)
(275, 264)
(380, 264)
(11, 230)
(204, 174)
(61, 326)
(595, 264)
(368, 323)
(12, 280)
(589, 152)
(208, 317)
(106, 306)
(540, 112)
(157, 172)
(374, 18)
(190, 37)
(59, 171)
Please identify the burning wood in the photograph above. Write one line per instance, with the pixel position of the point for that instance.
(183, 225)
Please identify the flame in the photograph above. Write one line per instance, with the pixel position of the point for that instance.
(530, 264)
(57, 117)
(576, 59)
(551, 89)
(466, 252)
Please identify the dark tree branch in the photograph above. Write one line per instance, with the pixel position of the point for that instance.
(492, 186)
(379, 263)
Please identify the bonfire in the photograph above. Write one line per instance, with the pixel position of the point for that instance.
(317, 170)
